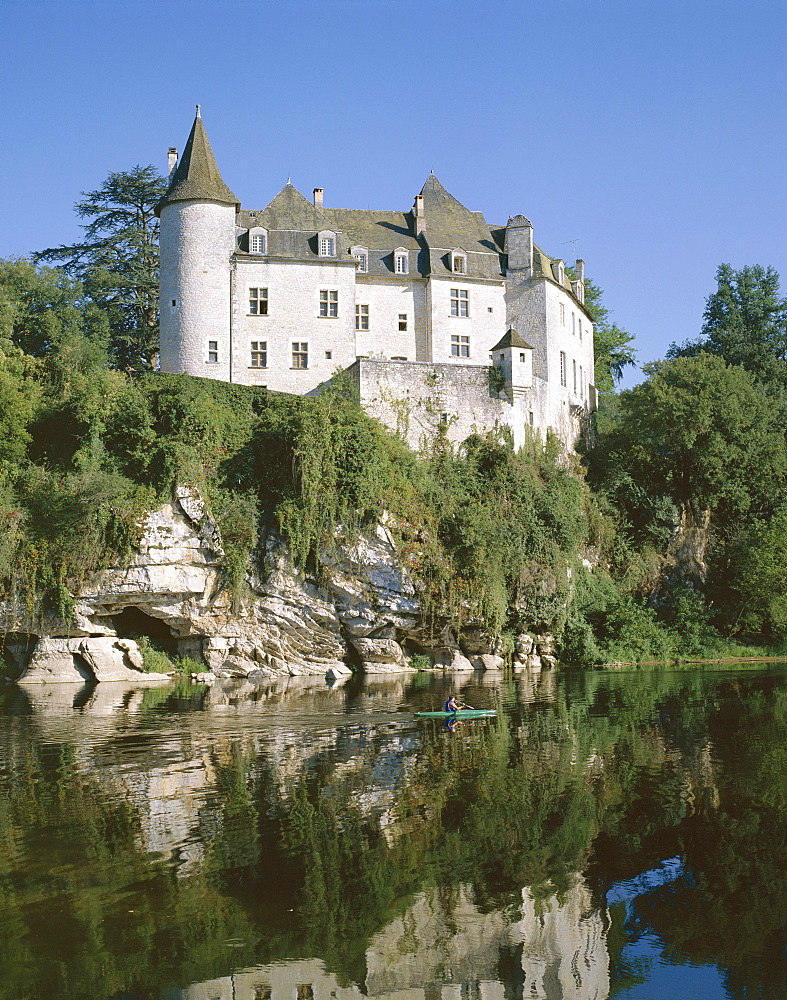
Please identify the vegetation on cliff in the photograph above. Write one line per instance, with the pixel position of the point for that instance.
(662, 542)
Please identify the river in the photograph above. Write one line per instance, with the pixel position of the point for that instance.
(608, 834)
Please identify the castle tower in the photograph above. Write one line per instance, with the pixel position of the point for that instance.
(197, 240)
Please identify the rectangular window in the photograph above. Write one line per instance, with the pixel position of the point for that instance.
(459, 264)
(300, 355)
(460, 346)
(459, 302)
(329, 303)
(257, 244)
(401, 263)
(213, 352)
(581, 383)
(362, 262)
(580, 327)
(562, 314)
(327, 246)
(562, 367)
(258, 302)
(574, 365)
(259, 354)
(402, 322)
(573, 324)
(361, 317)
(530, 418)
(328, 355)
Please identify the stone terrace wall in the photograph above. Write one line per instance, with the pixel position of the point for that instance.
(417, 399)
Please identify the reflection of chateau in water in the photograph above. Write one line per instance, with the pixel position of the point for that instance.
(208, 784)
(444, 948)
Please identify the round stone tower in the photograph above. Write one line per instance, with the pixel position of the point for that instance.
(196, 242)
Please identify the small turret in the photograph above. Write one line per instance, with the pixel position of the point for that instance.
(513, 357)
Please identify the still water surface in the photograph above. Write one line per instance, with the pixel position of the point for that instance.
(607, 835)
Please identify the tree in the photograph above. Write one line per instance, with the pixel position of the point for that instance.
(19, 394)
(48, 315)
(703, 433)
(761, 580)
(118, 261)
(745, 322)
(611, 345)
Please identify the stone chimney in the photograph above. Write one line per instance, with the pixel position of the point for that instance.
(519, 245)
(318, 194)
(579, 284)
(172, 162)
(419, 215)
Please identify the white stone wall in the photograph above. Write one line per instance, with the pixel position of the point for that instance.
(526, 313)
(484, 328)
(196, 241)
(572, 333)
(293, 316)
(386, 300)
(423, 401)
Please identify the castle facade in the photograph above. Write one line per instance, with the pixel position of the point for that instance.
(445, 323)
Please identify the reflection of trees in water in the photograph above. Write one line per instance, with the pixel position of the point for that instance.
(609, 777)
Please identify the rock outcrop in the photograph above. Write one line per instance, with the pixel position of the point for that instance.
(358, 610)
(79, 660)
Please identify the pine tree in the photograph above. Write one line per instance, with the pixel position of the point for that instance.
(118, 262)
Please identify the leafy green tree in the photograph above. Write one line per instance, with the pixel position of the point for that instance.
(745, 322)
(48, 315)
(18, 397)
(761, 582)
(118, 261)
(701, 432)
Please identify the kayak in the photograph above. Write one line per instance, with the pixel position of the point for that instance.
(461, 713)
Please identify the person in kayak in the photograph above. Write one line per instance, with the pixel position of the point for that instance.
(454, 705)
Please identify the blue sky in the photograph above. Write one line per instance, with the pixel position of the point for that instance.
(652, 132)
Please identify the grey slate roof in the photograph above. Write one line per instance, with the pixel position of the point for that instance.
(511, 339)
(290, 210)
(197, 176)
(375, 230)
(293, 222)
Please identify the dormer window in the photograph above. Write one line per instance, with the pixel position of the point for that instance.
(458, 262)
(326, 243)
(361, 255)
(258, 240)
(400, 261)
(560, 271)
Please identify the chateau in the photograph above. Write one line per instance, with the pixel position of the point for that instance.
(443, 322)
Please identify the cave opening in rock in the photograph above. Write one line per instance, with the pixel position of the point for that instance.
(132, 622)
(16, 648)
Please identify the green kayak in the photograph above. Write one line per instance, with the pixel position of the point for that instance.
(461, 713)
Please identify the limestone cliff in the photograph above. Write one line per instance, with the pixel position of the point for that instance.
(358, 610)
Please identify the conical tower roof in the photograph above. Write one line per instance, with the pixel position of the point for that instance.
(512, 339)
(197, 177)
